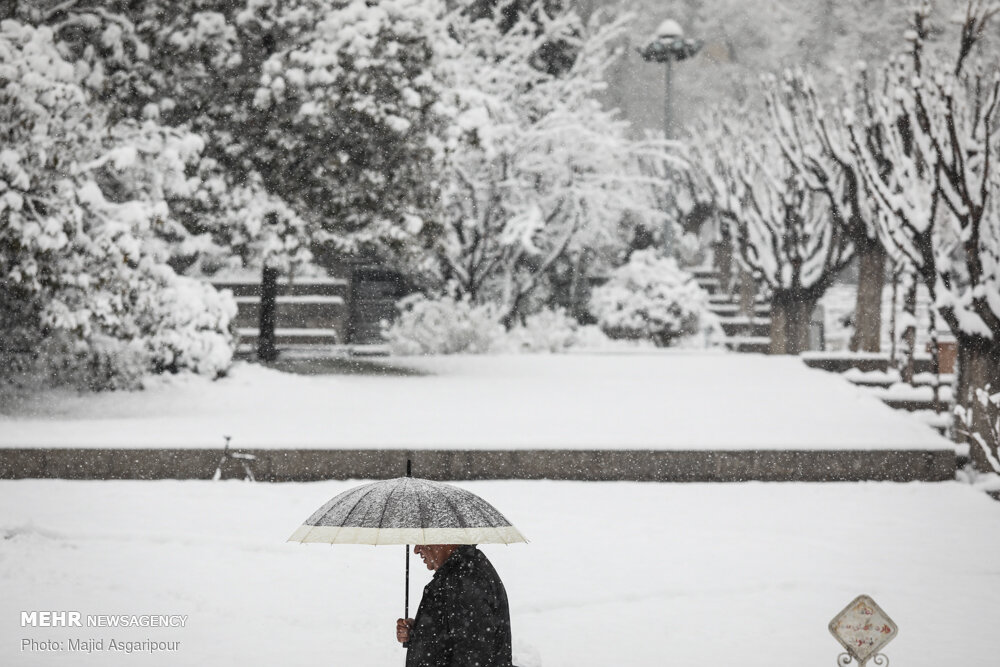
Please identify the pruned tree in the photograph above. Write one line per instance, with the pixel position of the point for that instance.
(783, 230)
(939, 200)
(816, 142)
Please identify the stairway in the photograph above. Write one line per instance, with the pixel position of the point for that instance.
(743, 333)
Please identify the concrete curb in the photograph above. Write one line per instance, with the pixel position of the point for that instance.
(300, 465)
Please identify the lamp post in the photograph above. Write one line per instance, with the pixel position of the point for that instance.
(668, 44)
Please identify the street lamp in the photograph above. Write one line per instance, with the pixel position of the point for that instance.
(668, 44)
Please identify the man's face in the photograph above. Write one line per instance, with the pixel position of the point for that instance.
(434, 555)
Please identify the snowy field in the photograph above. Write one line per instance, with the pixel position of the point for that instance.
(615, 574)
(682, 400)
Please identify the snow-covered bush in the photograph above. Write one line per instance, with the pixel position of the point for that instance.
(445, 325)
(451, 325)
(98, 364)
(650, 297)
(80, 196)
(185, 324)
(545, 331)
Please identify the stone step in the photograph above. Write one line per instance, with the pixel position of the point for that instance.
(745, 326)
(709, 284)
(730, 310)
(704, 272)
(296, 312)
(915, 405)
(370, 350)
(312, 352)
(885, 379)
(730, 299)
(840, 362)
(297, 287)
(940, 421)
(752, 344)
(292, 336)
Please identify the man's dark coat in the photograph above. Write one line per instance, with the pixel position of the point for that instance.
(463, 619)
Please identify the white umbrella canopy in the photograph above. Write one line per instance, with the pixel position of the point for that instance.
(407, 510)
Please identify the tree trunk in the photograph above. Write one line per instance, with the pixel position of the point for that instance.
(893, 320)
(748, 293)
(909, 337)
(868, 311)
(935, 357)
(723, 260)
(513, 313)
(790, 313)
(979, 367)
(266, 349)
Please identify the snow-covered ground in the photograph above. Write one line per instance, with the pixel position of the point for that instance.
(615, 574)
(674, 400)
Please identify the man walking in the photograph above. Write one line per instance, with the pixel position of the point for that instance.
(463, 619)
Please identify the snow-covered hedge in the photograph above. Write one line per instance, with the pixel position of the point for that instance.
(651, 297)
(445, 325)
(449, 325)
(545, 331)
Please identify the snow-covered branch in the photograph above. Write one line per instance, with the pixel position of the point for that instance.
(783, 227)
(536, 169)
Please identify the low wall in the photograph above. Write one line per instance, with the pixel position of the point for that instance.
(287, 465)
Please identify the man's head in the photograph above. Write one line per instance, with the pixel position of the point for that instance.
(434, 555)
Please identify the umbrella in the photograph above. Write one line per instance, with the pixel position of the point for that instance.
(407, 510)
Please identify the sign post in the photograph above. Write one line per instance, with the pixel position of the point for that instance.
(862, 628)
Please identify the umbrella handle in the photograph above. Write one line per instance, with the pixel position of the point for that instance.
(406, 595)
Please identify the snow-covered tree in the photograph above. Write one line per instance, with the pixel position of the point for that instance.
(327, 110)
(939, 198)
(555, 56)
(349, 115)
(196, 66)
(537, 172)
(80, 197)
(816, 142)
(782, 230)
(229, 224)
